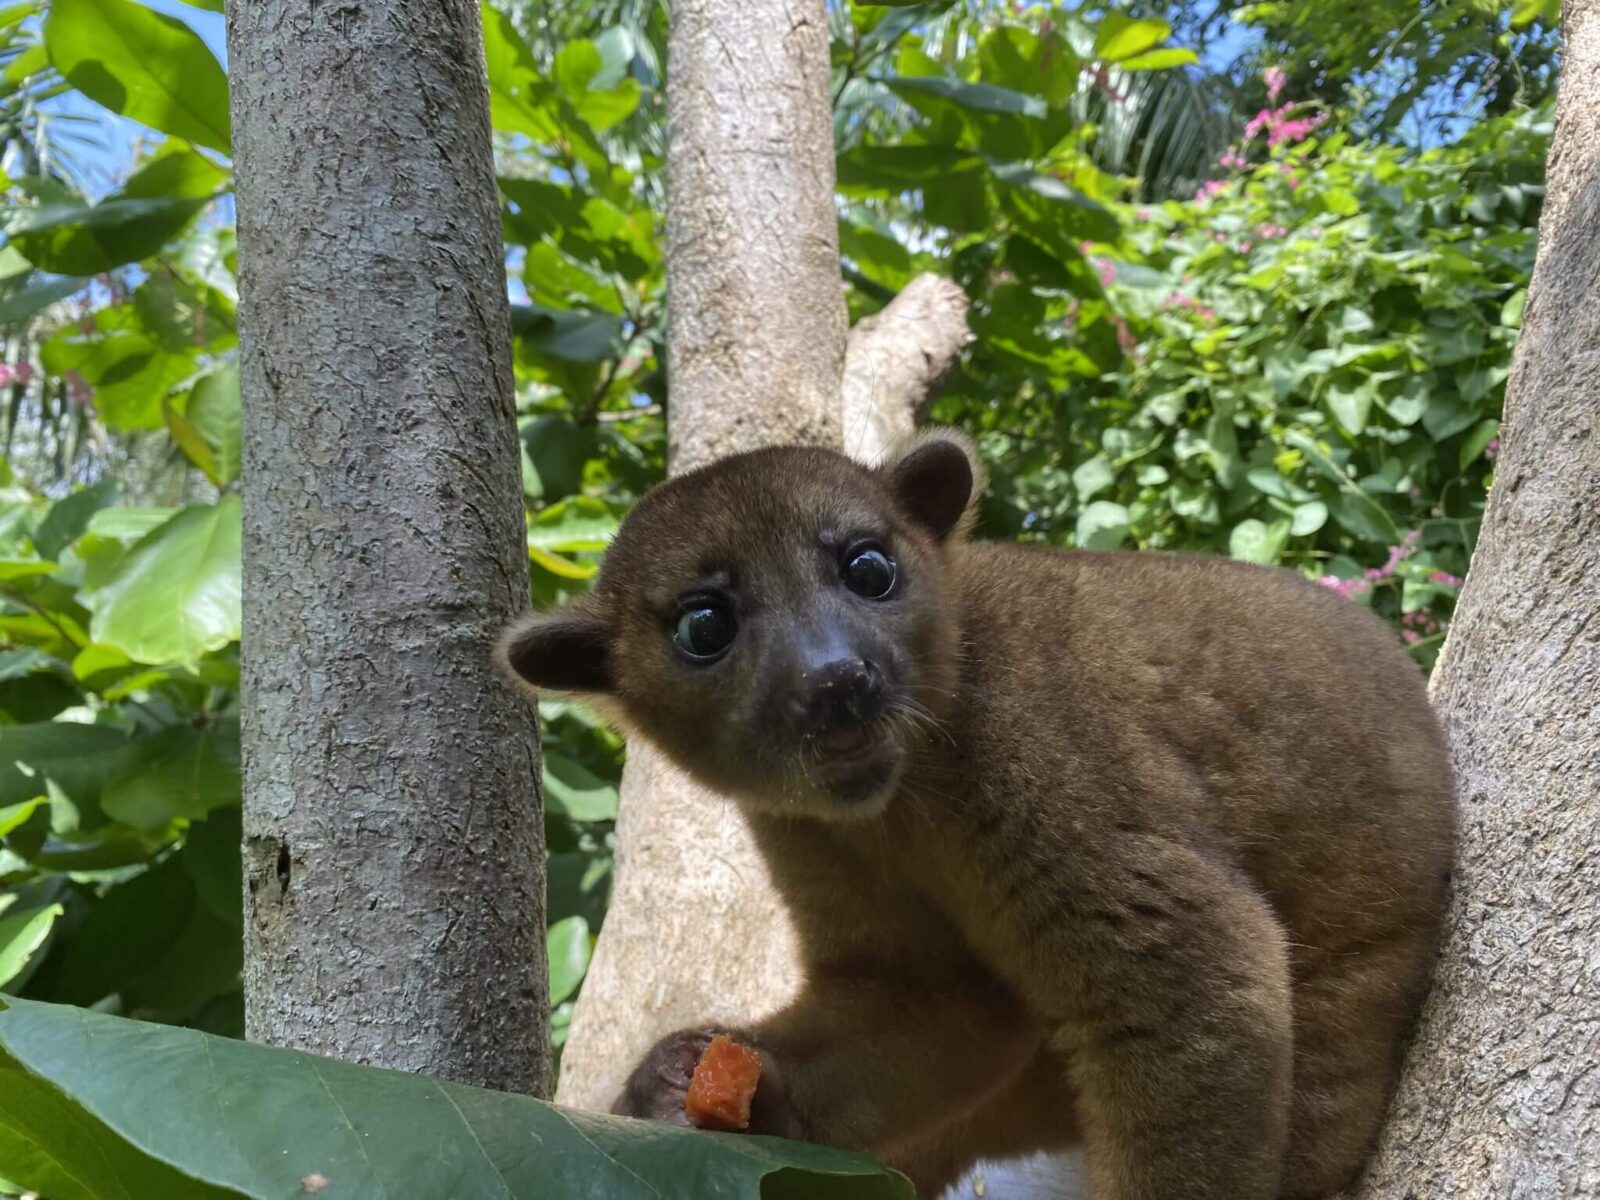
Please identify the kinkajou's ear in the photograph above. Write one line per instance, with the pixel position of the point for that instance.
(937, 478)
(567, 650)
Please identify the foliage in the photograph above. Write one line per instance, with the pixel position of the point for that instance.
(94, 1107)
(1311, 360)
(1420, 73)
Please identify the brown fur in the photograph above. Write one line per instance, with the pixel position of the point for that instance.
(1158, 867)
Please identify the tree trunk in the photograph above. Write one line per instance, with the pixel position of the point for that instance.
(392, 825)
(1501, 1096)
(756, 346)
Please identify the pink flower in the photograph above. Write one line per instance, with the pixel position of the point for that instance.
(1276, 78)
(78, 389)
(1345, 587)
(1108, 273)
(1444, 579)
(1210, 188)
(1270, 230)
(1126, 342)
(1492, 450)
(1293, 131)
(1143, 214)
(1411, 636)
(1244, 246)
(1232, 158)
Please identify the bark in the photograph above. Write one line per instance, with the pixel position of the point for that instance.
(756, 345)
(1501, 1097)
(755, 306)
(393, 861)
(896, 360)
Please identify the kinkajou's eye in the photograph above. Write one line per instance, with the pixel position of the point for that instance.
(869, 572)
(706, 629)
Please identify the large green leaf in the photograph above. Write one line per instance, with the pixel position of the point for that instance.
(142, 64)
(576, 524)
(1119, 37)
(980, 97)
(19, 306)
(177, 773)
(23, 933)
(572, 336)
(84, 239)
(77, 759)
(573, 790)
(519, 100)
(69, 517)
(175, 595)
(208, 428)
(180, 1114)
(569, 947)
(128, 371)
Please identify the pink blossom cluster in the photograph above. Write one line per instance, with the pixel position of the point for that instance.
(1417, 625)
(1103, 266)
(1210, 188)
(1270, 230)
(1280, 127)
(1397, 555)
(1126, 342)
(1444, 579)
(1492, 450)
(15, 373)
(1232, 158)
(1186, 301)
(1276, 78)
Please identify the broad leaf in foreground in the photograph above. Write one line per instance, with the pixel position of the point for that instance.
(176, 594)
(93, 1106)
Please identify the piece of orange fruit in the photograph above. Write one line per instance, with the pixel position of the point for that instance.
(723, 1086)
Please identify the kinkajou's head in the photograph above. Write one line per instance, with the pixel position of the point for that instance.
(775, 622)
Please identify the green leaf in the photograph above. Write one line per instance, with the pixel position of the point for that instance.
(519, 100)
(142, 64)
(69, 517)
(1307, 518)
(129, 372)
(1159, 60)
(20, 935)
(1257, 542)
(20, 306)
(208, 428)
(1525, 12)
(1351, 406)
(129, 524)
(84, 239)
(148, 1111)
(77, 759)
(569, 947)
(175, 596)
(1103, 526)
(1083, 217)
(1476, 442)
(576, 524)
(572, 336)
(1511, 310)
(574, 791)
(979, 97)
(1091, 476)
(1119, 37)
(177, 774)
